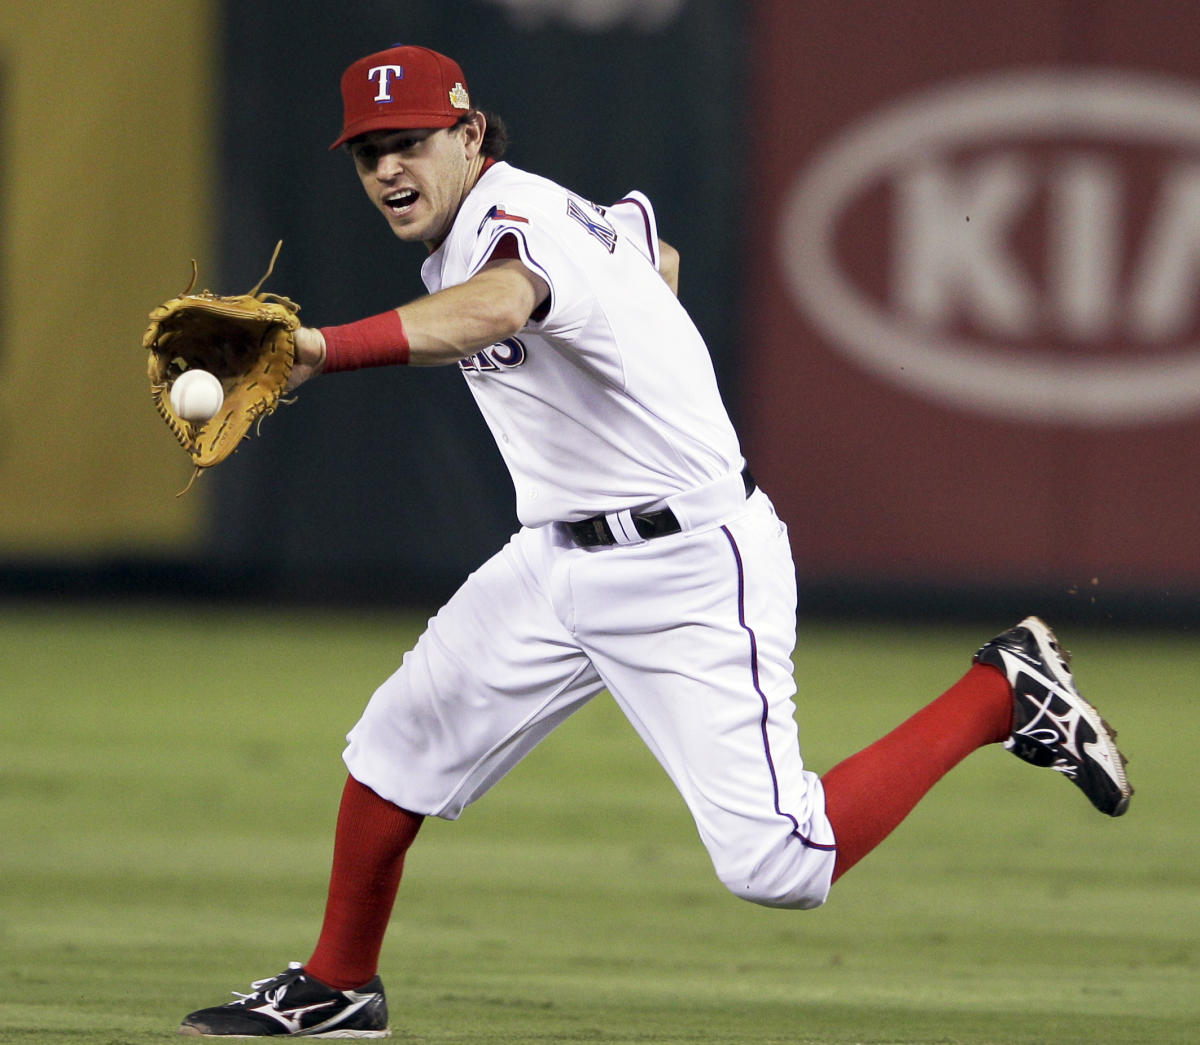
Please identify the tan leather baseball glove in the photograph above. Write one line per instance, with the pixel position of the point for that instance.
(246, 341)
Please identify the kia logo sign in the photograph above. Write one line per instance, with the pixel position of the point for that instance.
(1037, 256)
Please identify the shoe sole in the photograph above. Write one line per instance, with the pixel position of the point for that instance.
(1058, 660)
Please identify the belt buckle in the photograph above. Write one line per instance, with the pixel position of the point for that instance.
(592, 533)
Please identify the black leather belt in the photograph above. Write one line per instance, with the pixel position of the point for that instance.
(594, 532)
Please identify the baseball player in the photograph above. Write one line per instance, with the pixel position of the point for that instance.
(648, 562)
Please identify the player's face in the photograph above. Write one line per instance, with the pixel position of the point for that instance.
(418, 178)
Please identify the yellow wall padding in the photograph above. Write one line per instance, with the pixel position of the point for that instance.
(107, 166)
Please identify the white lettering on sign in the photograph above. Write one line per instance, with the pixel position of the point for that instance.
(943, 263)
(1168, 278)
(969, 170)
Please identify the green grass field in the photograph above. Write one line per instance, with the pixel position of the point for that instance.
(169, 781)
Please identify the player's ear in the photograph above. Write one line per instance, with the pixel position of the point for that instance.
(473, 127)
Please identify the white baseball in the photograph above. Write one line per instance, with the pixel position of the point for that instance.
(196, 395)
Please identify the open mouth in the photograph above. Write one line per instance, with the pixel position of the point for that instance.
(399, 202)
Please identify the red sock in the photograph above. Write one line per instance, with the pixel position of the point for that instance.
(368, 858)
(869, 793)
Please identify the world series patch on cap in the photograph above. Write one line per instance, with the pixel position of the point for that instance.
(400, 89)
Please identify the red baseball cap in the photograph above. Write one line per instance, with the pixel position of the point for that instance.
(401, 89)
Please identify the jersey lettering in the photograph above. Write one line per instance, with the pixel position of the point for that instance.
(504, 355)
(595, 224)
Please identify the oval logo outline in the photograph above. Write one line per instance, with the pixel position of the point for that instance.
(969, 374)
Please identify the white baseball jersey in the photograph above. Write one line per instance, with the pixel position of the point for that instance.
(608, 400)
(603, 404)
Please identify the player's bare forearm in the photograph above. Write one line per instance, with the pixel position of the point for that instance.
(453, 323)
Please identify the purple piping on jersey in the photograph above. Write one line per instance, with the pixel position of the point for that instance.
(650, 244)
(737, 555)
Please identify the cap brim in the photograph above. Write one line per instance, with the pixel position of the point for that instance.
(395, 122)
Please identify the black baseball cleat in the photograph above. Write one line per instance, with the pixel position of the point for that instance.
(295, 1005)
(1053, 725)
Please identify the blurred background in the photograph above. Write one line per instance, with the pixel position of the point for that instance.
(946, 258)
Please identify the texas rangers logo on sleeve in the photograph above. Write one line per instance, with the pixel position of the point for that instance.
(498, 213)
